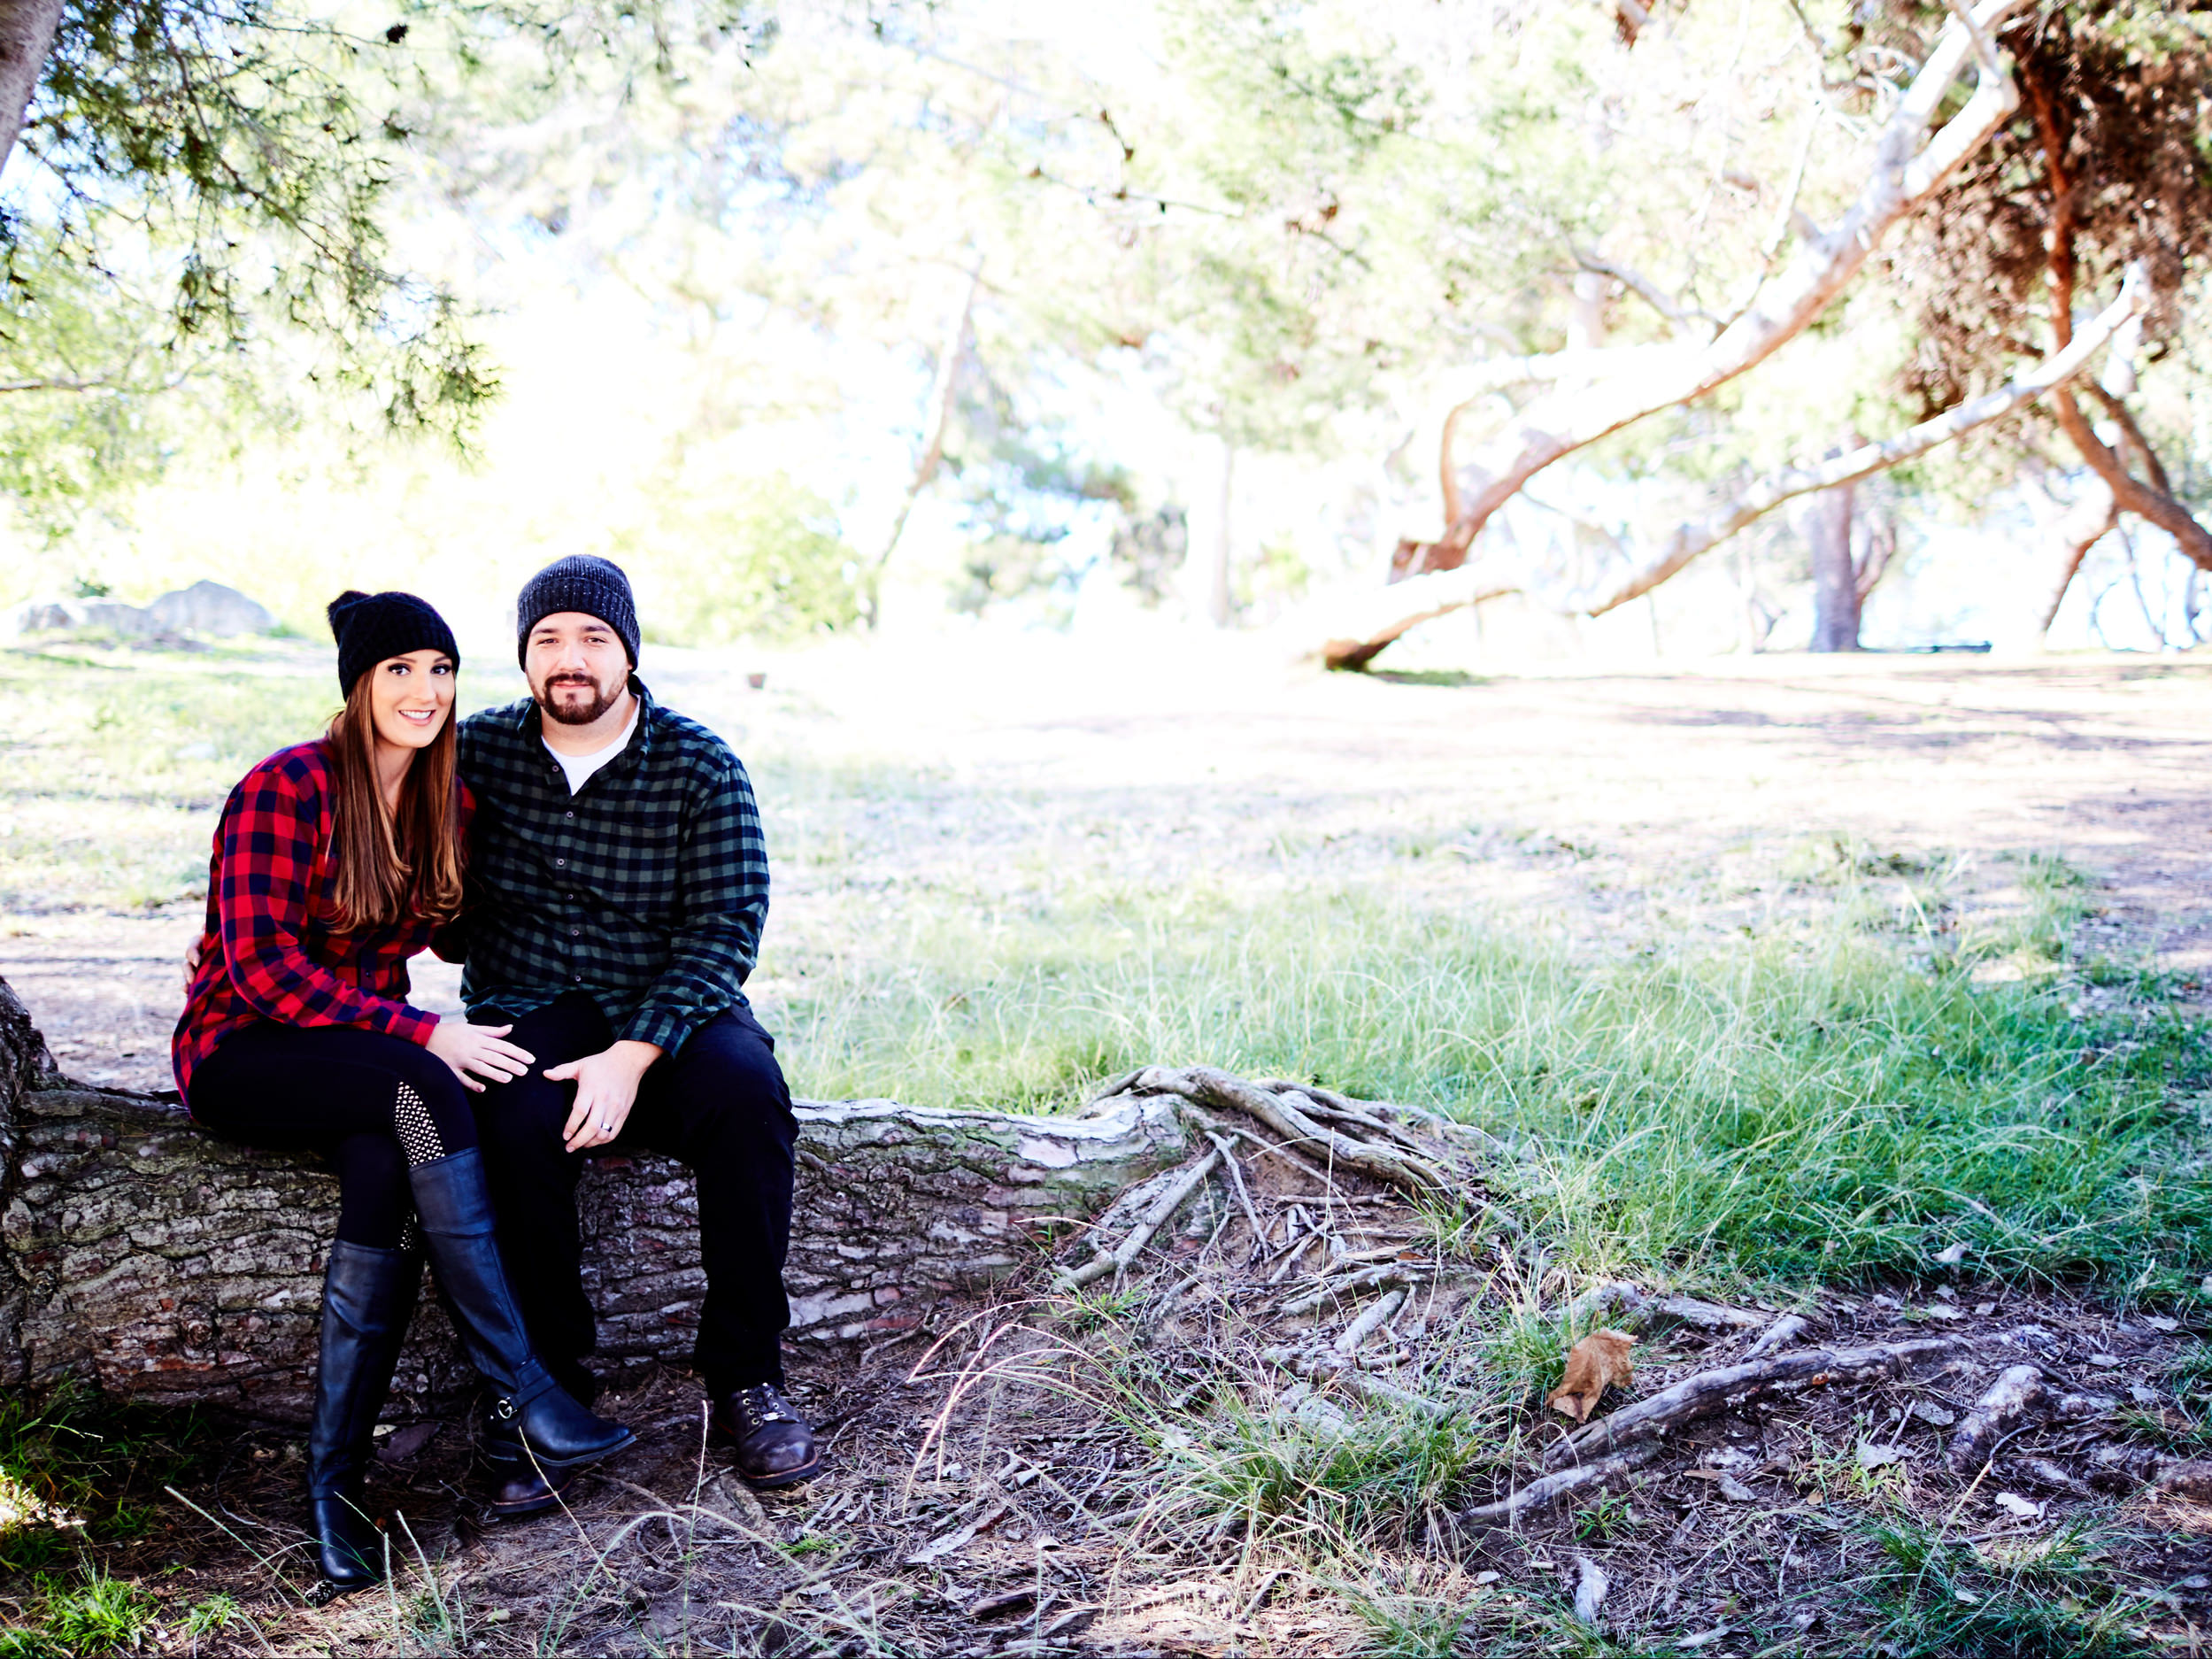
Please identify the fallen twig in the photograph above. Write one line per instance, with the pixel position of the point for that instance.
(1549, 1489)
(1371, 1278)
(1360, 1328)
(1710, 1392)
(1625, 1305)
(1781, 1333)
(1337, 1369)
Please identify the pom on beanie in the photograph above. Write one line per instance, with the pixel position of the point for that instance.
(372, 628)
(594, 587)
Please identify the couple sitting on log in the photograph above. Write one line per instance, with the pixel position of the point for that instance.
(595, 861)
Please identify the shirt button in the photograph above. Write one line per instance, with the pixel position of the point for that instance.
(576, 978)
(561, 864)
(575, 932)
(568, 814)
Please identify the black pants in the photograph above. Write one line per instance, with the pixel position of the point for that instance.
(373, 1104)
(719, 1104)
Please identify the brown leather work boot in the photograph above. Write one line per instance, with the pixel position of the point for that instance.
(775, 1445)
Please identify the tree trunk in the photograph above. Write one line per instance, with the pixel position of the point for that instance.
(943, 391)
(144, 1256)
(2150, 498)
(1213, 587)
(26, 36)
(1829, 527)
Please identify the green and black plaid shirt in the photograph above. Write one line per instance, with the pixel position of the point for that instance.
(647, 887)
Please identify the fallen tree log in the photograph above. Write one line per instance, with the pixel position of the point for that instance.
(151, 1260)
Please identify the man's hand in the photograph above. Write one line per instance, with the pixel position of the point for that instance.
(606, 1088)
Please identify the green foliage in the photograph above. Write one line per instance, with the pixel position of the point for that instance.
(75, 1466)
(743, 557)
(206, 236)
(218, 1612)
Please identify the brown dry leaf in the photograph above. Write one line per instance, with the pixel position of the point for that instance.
(1598, 1361)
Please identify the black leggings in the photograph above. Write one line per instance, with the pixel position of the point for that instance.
(373, 1104)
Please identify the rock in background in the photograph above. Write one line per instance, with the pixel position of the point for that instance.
(207, 608)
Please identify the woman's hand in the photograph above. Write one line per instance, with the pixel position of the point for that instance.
(477, 1048)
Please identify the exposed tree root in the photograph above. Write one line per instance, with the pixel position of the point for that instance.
(1381, 1151)
(2021, 1394)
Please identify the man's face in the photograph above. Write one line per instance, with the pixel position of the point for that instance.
(577, 667)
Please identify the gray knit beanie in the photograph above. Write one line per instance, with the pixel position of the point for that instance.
(597, 587)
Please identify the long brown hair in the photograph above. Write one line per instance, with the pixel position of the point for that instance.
(391, 867)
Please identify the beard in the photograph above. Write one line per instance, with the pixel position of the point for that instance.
(571, 709)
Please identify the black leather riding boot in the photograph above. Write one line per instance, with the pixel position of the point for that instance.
(454, 1208)
(367, 1295)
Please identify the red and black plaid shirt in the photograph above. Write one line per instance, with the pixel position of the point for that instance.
(267, 952)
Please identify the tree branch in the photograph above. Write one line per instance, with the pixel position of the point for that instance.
(1908, 166)
(1439, 593)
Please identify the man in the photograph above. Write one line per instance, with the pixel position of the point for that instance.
(618, 881)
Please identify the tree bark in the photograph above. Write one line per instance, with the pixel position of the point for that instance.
(1828, 527)
(1387, 613)
(153, 1261)
(26, 36)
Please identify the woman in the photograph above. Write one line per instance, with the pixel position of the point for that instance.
(334, 863)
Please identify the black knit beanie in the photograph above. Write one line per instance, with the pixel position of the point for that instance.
(597, 587)
(370, 627)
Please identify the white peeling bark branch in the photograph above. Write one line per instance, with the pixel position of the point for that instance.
(1903, 173)
(1441, 592)
(1691, 540)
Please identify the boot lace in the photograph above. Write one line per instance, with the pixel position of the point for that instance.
(761, 1405)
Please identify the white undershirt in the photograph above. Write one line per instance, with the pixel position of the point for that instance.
(581, 766)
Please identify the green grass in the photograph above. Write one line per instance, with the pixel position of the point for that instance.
(1804, 1108)
(113, 763)
(1936, 1600)
(1278, 1477)
(97, 1616)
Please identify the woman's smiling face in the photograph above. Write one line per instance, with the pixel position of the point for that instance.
(411, 697)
